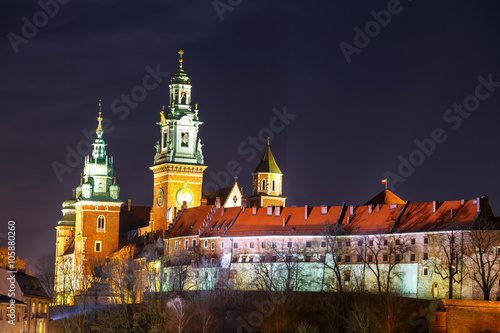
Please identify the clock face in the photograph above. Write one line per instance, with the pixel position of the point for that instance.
(185, 194)
(160, 197)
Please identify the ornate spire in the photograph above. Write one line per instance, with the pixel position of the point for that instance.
(99, 130)
(181, 53)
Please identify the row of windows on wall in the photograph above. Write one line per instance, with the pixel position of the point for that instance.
(323, 244)
(97, 207)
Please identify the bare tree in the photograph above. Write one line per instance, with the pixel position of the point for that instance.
(382, 254)
(179, 263)
(449, 265)
(181, 316)
(45, 271)
(484, 254)
(334, 251)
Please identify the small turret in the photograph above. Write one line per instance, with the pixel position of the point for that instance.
(114, 190)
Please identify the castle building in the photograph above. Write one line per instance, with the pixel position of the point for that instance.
(196, 240)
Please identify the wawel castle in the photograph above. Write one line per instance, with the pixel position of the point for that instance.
(189, 240)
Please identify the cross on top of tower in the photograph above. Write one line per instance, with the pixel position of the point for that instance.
(99, 130)
(181, 53)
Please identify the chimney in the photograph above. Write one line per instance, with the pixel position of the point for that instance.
(378, 208)
(203, 202)
(222, 211)
(369, 209)
(269, 210)
(284, 222)
(324, 210)
(217, 202)
(434, 206)
(129, 204)
(306, 209)
(462, 202)
(184, 205)
(351, 210)
(244, 202)
(254, 210)
(348, 220)
(277, 211)
(478, 206)
(451, 213)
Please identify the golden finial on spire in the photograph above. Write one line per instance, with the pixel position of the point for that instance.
(181, 53)
(268, 141)
(99, 119)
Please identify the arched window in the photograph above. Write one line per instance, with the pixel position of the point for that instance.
(263, 184)
(100, 223)
(274, 185)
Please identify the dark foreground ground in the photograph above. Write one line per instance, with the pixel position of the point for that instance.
(247, 311)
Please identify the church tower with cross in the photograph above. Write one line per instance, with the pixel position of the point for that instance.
(267, 182)
(178, 163)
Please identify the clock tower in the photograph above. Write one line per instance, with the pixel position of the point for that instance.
(178, 163)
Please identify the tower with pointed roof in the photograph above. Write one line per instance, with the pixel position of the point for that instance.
(89, 229)
(267, 182)
(178, 163)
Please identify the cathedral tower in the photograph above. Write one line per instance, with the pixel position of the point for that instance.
(89, 230)
(267, 182)
(178, 163)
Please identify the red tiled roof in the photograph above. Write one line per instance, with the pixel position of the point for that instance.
(385, 197)
(387, 218)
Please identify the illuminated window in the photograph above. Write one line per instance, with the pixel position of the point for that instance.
(347, 275)
(98, 246)
(100, 223)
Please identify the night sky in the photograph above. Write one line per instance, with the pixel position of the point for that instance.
(351, 119)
